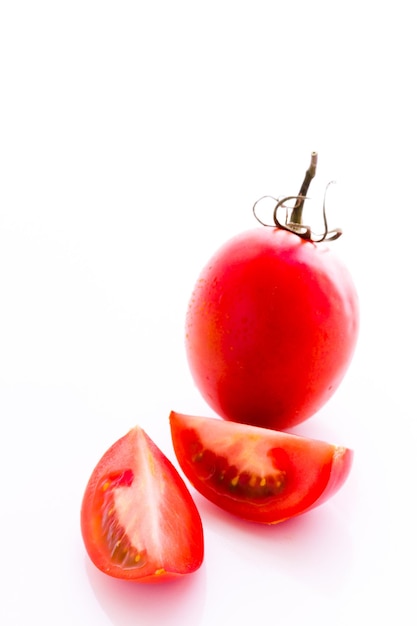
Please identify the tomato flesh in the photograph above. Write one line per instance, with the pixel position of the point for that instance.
(256, 473)
(271, 328)
(138, 519)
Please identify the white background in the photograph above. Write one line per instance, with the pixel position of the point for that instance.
(134, 139)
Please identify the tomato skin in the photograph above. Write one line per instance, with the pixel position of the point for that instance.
(271, 328)
(255, 473)
(138, 519)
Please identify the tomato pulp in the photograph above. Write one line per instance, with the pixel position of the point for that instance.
(138, 519)
(271, 328)
(258, 474)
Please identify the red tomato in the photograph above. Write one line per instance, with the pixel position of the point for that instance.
(138, 519)
(271, 328)
(258, 474)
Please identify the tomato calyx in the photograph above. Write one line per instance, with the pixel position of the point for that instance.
(293, 221)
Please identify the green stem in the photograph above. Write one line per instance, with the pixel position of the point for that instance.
(297, 211)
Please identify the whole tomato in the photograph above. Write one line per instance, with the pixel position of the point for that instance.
(272, 324)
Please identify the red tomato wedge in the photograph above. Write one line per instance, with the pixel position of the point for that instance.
(138, 519)
(258, 474)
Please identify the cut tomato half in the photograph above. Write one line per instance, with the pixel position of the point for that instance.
(255, 473)
(138, 519)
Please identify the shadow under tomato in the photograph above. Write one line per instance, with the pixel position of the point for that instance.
(179, 601)
(314, 548)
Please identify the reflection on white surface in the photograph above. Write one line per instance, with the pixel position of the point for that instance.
(180, 601)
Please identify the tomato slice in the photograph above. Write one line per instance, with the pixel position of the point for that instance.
(138, 519)
(258, 474)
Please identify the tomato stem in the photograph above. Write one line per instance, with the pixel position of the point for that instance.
(297, 211)
(293, 222)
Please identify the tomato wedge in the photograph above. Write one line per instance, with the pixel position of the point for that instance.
(138, 519)
(258, 474)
